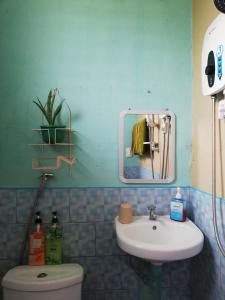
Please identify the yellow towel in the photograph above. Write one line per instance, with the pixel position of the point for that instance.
(138, 137)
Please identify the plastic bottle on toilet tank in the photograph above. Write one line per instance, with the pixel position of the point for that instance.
(54, 242)
(178, 207)
(37, 248)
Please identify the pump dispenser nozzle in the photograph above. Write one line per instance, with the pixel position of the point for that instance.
(38, 219)
(178, 193)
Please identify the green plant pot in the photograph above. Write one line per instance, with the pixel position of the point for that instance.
(55, 136)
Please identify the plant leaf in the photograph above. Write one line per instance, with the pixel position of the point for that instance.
(49, 106)
(57, 111)
(40, 104)
(53, 100)
(41, 107)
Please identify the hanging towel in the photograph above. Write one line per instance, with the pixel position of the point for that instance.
(139, 134)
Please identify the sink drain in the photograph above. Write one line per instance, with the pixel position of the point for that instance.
(154, 227)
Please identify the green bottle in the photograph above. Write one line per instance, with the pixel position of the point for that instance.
(54, 243)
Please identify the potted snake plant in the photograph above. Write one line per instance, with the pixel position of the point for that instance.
(49, 132)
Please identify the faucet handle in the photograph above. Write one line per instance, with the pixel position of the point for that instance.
(151, 207)
(152, 212)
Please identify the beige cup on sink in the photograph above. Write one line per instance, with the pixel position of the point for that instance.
(125, 213)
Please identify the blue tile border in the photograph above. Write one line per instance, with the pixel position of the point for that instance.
(204, 192)
(100, 187)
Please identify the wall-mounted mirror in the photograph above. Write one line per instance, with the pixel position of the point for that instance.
(147, 146)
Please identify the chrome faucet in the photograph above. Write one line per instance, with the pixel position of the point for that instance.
(152, 212)
(45, 176)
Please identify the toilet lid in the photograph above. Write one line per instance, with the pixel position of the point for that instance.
(43, 278)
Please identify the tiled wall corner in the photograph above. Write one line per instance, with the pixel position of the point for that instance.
(207, 269)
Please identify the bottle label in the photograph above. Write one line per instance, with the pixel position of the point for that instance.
(53, 252)
(177, 209)
(36, 243)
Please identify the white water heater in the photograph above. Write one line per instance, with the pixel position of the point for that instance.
(213, 58)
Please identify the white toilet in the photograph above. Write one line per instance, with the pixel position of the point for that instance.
(57, 282)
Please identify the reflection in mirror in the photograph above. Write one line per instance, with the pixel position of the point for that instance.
(147, 146)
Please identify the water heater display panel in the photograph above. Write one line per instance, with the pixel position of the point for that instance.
(213, 60)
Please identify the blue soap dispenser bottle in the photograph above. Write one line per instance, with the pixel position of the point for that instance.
(178, 207)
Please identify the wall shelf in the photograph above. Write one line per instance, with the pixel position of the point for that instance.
(60, 137)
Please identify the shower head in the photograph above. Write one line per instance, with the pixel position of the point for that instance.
(162, 116)
(165, 123)
(165, 117)
(220, 5)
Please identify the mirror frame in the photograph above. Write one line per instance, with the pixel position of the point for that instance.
(172, 154)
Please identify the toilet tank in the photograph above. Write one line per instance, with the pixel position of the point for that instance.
(58, 282)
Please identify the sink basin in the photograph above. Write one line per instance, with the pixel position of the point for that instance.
(161, 240)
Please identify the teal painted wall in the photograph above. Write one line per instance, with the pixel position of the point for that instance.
(104, 56)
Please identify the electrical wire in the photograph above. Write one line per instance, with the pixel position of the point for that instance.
(44, 178)
(222, 250)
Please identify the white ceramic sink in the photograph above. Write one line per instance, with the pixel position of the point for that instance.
(159, 241)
